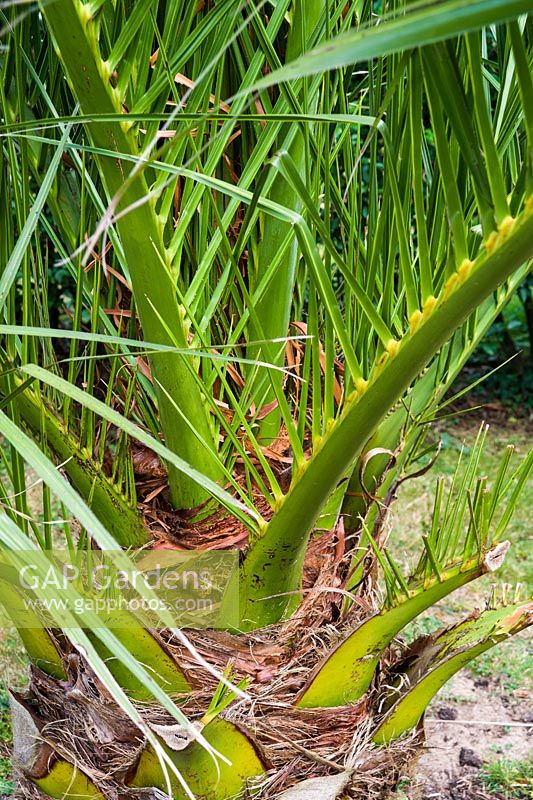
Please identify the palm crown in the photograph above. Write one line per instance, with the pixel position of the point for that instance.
(286, 228)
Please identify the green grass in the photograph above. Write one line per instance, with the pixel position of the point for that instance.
(401, 792)
(13, 674)
(509, 779)
(5, 727)
(6, 785)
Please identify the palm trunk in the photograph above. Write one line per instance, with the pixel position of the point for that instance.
(70, 721)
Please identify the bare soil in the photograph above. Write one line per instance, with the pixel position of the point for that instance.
(464, 732)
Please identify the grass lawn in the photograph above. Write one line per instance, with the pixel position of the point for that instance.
(12, 673)
(509, 778)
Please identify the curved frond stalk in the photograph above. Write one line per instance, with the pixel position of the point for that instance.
(443, 655)
(463, 543)
(422, 403)
(272, 566)
(152, 279)
(346, 673)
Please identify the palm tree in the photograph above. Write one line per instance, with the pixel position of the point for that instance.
(276, 231)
